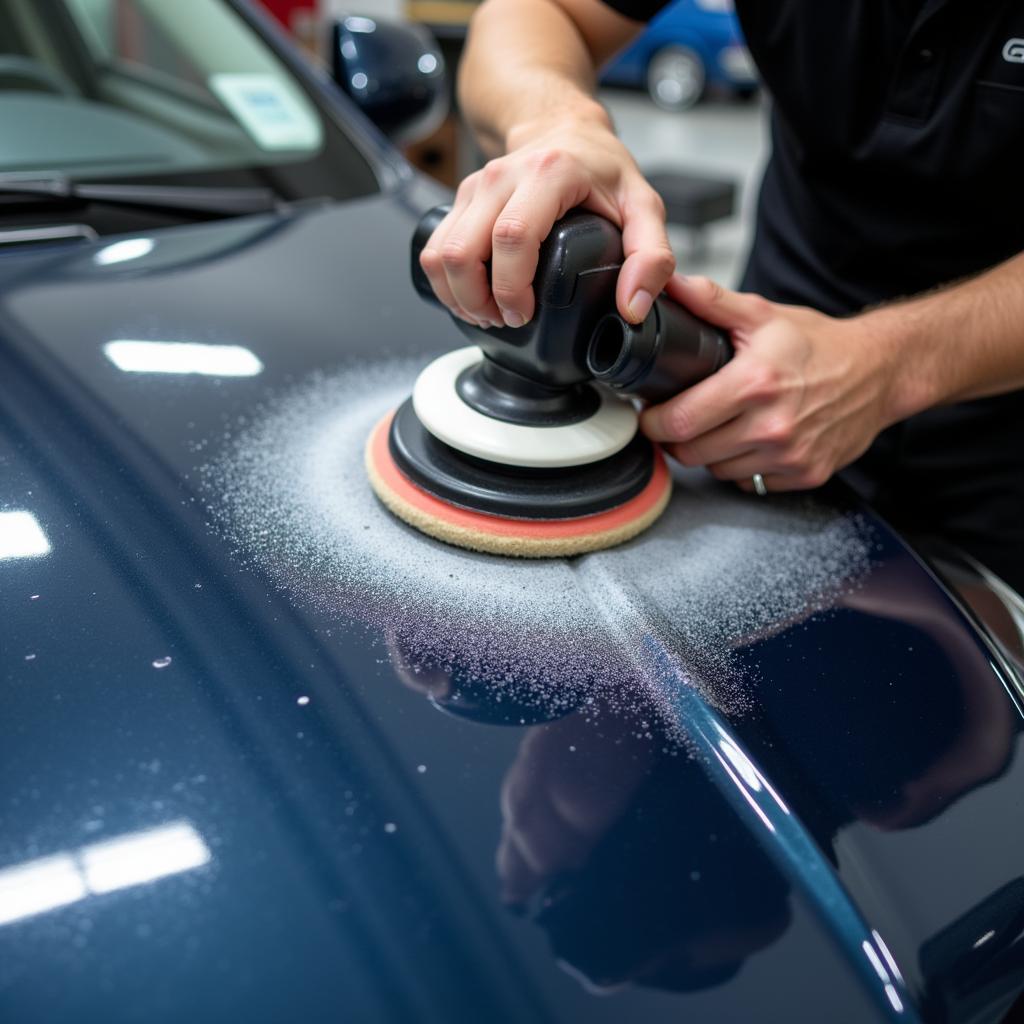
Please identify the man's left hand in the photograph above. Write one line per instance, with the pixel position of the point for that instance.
(804, 395)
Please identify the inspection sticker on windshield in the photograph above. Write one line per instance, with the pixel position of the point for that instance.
(268, 110)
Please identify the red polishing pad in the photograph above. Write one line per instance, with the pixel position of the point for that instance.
(525, 538)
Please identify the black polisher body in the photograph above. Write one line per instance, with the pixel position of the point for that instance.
(547, 374)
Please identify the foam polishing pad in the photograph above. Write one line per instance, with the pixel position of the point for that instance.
(505, 535)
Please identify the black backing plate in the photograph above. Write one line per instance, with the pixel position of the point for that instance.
(512, 491)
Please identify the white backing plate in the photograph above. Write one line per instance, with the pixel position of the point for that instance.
(448, 418)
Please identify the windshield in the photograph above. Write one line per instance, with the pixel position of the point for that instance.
(183, 92)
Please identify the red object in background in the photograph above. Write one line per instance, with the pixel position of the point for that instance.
(284, 10)
(128, 32)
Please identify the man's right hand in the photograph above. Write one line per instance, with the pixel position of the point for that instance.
(504, 211)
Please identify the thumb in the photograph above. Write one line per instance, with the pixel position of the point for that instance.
(708, 299)
(649, 259)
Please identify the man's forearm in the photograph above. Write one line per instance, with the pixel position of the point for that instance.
(962, 342)
(529, 63)
(526, 85)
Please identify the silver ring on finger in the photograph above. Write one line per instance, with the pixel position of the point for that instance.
(760, 488)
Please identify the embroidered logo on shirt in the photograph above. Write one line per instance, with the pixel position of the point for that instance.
(1013, 51)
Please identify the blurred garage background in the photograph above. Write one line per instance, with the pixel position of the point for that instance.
(684, 98)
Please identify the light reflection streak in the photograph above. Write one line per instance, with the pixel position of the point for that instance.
(182, 357)
(894, 997)
(784, 838)
(37, 886)
(741, 763)
(889, 958)
(869, 951)
(121, 252)
(21, 536)
(745, 793)
(142, 857)
(883, 973)
(747, 769)
(357, 23)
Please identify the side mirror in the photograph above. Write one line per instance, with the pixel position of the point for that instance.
(394, 73)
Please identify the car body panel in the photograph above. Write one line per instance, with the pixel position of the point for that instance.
(331, 876)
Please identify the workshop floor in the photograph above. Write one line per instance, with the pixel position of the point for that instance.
(720, 137)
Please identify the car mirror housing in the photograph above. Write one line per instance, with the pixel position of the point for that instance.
(395, 74)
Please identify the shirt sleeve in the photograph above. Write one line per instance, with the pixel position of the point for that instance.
(638, 10)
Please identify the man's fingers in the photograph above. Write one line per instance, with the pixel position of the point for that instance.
(433, 267)
(649, 259)
(464, 252)
(694, 412)
(430, 261)
(725, 442)
(519, 229)
(736, 311)
(518, 880)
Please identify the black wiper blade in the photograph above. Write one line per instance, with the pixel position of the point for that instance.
(225, 202)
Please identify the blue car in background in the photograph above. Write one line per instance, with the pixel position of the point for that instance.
(689, 47)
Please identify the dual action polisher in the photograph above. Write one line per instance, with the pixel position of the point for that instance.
(526, 441)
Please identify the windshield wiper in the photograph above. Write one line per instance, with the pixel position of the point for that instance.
(225, 202)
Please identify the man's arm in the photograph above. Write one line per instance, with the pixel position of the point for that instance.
(526, 85)
(960, 342)
(807, 393)
(530, 61)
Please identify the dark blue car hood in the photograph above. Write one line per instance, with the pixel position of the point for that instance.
(758, 765)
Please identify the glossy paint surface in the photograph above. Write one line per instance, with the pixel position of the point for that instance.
(218, 801)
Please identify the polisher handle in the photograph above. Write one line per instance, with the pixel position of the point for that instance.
(669, 352)
(574, 288)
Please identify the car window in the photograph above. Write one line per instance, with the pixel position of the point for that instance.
(97, 88)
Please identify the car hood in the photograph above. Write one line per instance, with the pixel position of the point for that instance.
(269, 753)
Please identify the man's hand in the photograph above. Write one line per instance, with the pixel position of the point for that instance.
(570, 782)
(804, 395)
(982, 743)
(526, 84)
(503, 212)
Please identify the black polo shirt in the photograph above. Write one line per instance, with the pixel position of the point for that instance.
(898, 144)
(898, 165)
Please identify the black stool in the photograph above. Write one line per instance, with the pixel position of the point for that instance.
(694, 202)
